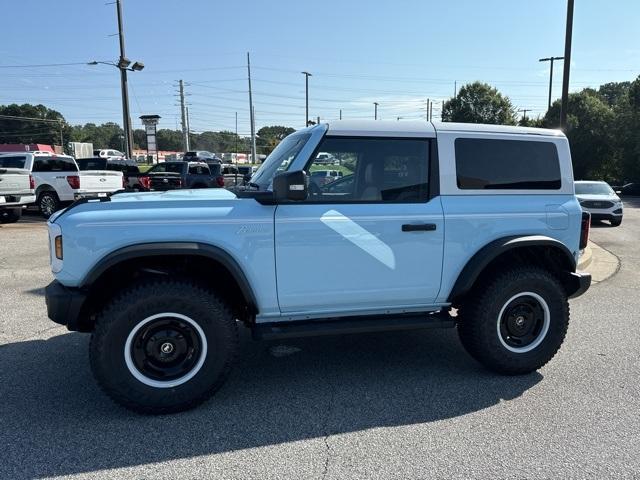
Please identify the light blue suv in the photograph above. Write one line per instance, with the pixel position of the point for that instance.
(428, 225)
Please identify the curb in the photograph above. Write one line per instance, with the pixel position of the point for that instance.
(586, 257)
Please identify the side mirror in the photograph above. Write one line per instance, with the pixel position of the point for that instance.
(290, 186)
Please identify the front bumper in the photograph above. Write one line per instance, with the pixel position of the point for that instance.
(605, 216)
(580, 283)
(64, 304)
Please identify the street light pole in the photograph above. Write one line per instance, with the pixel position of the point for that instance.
(306, 97)
(126, 117)
(550, 59)
(375, 110)
(567, 66)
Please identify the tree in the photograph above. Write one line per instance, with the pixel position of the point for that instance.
(107, 135)
(590, 134)
(26, 131)
(479, 103)
(269, 137)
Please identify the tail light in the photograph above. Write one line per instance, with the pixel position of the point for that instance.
(179, 184)
(220, 181)
(584, 230)
(32, 182)
(145, 182)
(73, 181)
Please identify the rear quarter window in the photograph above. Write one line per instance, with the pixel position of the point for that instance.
(492, 164)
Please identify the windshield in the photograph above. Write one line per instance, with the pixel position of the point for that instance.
(280, 159)
(167, 167)
(593, 189)
(12, 162)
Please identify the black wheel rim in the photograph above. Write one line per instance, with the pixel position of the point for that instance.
(522, 322)
(166, 349)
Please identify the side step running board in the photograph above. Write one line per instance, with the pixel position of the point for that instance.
(349, 325)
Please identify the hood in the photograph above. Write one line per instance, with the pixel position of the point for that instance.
(599, 198)
(141, 205)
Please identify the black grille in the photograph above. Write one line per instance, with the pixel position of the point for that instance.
(597, 204)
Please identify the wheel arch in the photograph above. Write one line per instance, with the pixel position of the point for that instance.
(207, 263)
(533, 249)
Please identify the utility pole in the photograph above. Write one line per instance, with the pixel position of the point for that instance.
(61, 137)
(428, 102)
(455, 89)
(306, 97)
(524, 112)
(375, 110)
(340, 114)
(251, 114)
(188, 131)
(185, 136)
(431, 112)
(550, 59)
(126, 117)
(567, 66)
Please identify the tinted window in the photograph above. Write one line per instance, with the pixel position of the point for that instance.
(175, 167)
(215, 168)
(506, 164)
(198, 170)
(92, 164)
(54, 164)
(12, 162)
(374, 169)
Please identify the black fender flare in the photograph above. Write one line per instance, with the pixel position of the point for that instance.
(175, 249)
(492, 250)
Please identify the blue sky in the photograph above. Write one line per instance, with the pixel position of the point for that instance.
(359, 52)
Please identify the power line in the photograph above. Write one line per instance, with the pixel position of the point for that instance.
(44, 65)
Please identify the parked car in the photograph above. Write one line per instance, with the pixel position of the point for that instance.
(325, 158)
(109, 154)
(201, 156)
(17, 187)
(629, 190)
(58, 181)
(129, 168)
(599, 199)
(322, 177)
(174, 175)
(162, 288)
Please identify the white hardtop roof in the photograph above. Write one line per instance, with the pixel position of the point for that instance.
(387, 128)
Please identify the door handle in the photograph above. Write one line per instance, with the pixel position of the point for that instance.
(418, 227)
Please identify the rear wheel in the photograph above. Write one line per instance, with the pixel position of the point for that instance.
(48, 203)
(163, 347)
(516, 322)
(11, 215)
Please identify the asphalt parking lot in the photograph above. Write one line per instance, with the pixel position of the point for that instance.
(393, 405)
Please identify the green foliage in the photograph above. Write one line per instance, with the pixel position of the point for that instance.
(107, 135)
(26, 131)
(479, 103)
(603, 128)
(270, 137)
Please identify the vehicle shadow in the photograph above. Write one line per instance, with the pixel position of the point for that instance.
(57, 422)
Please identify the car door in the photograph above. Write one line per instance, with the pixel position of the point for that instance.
(380, 226)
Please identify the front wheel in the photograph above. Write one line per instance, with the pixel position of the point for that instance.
(163, 347)
(515, 322)
(616, 222)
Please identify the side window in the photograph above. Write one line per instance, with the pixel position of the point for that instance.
(64, 164)
(41, 164)
(506, 165)
(370, 170)
(194, 170)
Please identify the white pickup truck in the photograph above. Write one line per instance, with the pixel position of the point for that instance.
(16, 188)
(58, 181)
